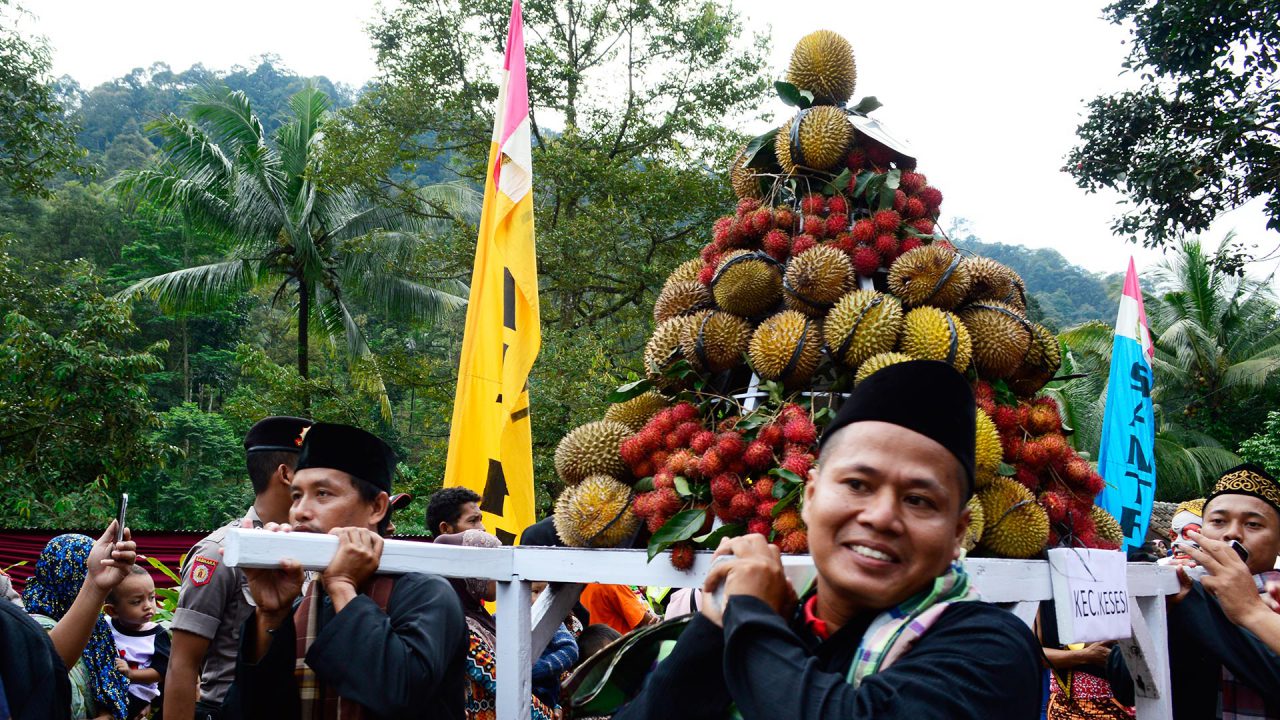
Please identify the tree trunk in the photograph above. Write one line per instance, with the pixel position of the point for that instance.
(304, 316)
(186, 360)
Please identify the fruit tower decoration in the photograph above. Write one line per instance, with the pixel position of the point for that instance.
(831, 267)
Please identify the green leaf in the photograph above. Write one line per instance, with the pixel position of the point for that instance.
(751, 422)
(682, 526)
(644, 485)
(787, 500)
(630, 390)
(837, 186)
(787, 475)
(864, 179)
(793, 95)
(1004, 395)
(153, 562)
(1006, 470)
(760, 153)
(886, 197)
(712, 539)
(866, 105)
(682, 486)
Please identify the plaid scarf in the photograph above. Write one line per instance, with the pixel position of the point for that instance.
(1239, 701)
(897, 629)
(320, 701)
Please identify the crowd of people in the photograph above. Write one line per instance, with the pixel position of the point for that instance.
(892, 626)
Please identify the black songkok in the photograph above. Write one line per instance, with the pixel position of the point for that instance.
(276, 434)
(351, 450)
(1248, 479)
(924, 396)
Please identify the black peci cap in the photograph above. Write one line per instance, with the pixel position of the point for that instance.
(925, 396)
(351, 450)
(276, 434)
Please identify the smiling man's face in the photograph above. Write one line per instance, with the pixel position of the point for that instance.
(886, 514)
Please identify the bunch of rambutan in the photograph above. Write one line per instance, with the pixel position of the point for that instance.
(752, 227)
(734, 471)
(1043, 461)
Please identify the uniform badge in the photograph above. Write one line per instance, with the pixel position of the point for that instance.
(202, 570)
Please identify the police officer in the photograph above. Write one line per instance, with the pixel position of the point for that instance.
(214, 600)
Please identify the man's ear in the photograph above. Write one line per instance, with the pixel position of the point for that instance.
(962, 527)
(443, 528)
(285, 473)
(381, 506)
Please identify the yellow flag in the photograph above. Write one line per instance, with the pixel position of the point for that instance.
(490, 444)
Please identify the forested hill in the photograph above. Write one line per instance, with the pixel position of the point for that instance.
(112, 115)
(1067, 294)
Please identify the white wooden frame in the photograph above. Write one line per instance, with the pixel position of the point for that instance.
(1018, 585)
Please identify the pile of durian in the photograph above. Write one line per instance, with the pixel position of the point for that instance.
(831, 267)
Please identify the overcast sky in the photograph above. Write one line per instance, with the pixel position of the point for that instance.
(988, 93)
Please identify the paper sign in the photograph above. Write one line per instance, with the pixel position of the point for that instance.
(1090, 594)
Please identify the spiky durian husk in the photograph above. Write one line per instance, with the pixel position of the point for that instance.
(680, 298)
(932, 334)
(747, 284)
(635, 413)
(988, 452)
(1016, 526)
(1107, 526)
(745, 182)
(786, 347)
(862, 323)
(929, 275)
(976, 523)
(595, 513)
(823, 140)
(989, 280)
(822, 63)
(715, 340)
(1044, 358)
(1001, 337)
(878, 362)
(684, 272)
(592, 449)
(663, 351)
(816, 278)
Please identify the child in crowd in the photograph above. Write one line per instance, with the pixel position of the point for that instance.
(143, 645)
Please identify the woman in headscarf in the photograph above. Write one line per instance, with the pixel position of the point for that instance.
(65, 594)
(482, 646)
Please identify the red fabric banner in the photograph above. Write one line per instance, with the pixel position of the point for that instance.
(25, 545)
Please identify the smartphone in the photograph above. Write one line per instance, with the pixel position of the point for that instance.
(124, 506)
(1240, 550)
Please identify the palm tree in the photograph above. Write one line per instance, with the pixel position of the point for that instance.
(1216, 338)
(321, 245)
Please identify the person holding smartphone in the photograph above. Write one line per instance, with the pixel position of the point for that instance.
(1224, 639)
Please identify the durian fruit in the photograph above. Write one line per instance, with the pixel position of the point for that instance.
(743, 179)
(816, 278)
(1044, 358)
(930, 275)
(862, 323)
(1001, 337)
(932, 334)
(591, 449)
(663, 351)
(635, 413)
(974, 533)
(747, 284)
(822, 63)
(821, 143)
(988, 280)
(595, 513)
(685, 271)
(988, 452)
(878, 362)
(680, 298)
(1015, 525)
(786, 347)
(1107, 526)
(715, 340)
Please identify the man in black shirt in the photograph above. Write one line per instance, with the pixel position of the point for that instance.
(892, 628)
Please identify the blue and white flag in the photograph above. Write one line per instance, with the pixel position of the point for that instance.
(1127, 459)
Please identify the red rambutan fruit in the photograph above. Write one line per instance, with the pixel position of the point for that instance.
(899, 200)
(887, 245)
(887, 221)
(816, 226)
(742, 506)
(932, 197)
(798, 464)
(747, 206)
(724, 486)
(720, 231)
(730, 445)
(702, 441)
(836, 224)
(878, 154)
(711, 463)
(924, 226)
(786, 521)
(665, 477)
(912, 182)
(800, 431)
(856, 160)
(777, 244)
(727, 424)
(864, 231)
(659, 458)
(866, 260)
(784, 218)
(706, 273)
(794, 542)
(813, 204)
(837, 205)
(632, 451)
(1028, 478)
(760, 222)
(771, 435)
(763, 488)
(682, 555)
(909, 244)
(684, 412)
(655, 522)
(642, 469)
(802, 243)
(1006, 418)
(758, 526)
(1055, 445)
(1055, 506)
(1035, 455)
(914, 208)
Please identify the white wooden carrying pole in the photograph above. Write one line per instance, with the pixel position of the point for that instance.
(1017, 585)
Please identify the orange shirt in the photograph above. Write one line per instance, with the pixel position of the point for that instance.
(613, 605)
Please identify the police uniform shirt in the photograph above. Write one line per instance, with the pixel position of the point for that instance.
(213, 602)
